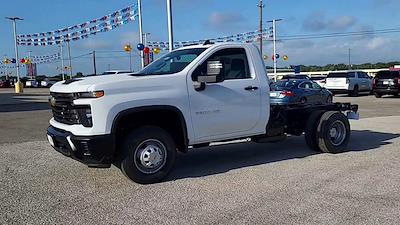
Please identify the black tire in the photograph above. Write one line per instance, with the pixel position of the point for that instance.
(310, 131)
(333, 120)
(378, 95)
(303, 100)
(355, 91)
(133, 163)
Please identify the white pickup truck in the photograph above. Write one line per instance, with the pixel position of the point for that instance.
(188, 98)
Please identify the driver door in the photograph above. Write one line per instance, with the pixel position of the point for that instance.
(227, 109)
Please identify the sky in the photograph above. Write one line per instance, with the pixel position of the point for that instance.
(201, 19)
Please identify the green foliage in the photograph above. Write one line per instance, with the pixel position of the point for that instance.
(333, 67)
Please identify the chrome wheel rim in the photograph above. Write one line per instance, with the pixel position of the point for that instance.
(337, 133)
(150, 156)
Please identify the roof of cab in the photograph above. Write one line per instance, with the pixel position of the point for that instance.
(215, 44)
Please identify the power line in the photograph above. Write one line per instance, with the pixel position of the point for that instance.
(338, 34)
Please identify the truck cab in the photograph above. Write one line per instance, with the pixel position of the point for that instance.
(188, 98)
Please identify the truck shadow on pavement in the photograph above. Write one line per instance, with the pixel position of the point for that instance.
(221, 159)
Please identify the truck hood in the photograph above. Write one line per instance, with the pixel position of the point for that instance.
(84, 84)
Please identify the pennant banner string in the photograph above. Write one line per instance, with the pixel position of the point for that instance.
(81, 31)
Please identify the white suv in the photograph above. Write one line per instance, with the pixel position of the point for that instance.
(352, 82)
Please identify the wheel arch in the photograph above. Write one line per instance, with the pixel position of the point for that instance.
(166, 115)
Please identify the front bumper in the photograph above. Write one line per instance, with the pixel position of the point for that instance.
(94, 151)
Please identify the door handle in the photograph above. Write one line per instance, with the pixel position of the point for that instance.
(250, 88)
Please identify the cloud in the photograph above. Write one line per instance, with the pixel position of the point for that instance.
(377, 43)
(225, 21)
(317, 21)
(92, 44)
(341, 23)
(335, 50)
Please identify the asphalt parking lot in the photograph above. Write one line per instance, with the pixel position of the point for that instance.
(281, 183)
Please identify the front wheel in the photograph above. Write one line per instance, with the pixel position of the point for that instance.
(149, 154)
(333, 132)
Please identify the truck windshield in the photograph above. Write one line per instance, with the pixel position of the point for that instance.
(173, 62)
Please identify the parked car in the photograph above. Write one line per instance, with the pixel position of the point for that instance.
(321, 80)
(48, 82)
(5, 84)
(296, 91)
(115, 72)
(386, 82)
(352, 82)
(31, 83)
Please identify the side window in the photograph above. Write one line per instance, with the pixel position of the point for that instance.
(315, 85)
(306, 85)
(351, 75)
(235, 63)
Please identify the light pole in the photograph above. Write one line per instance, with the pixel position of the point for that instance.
(62, 61)
(69, 58)
(29, 70)
(274, 41)
(349, 58)
(18, 86)
(140, 30)
(261, 6)
(170, 27)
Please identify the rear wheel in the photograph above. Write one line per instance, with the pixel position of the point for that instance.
(311, 130)
(378, 95)
(355, 92)
(333, 132)
(149, 154)
(303, 100)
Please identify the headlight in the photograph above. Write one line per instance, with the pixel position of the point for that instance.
(92, 94)
(85, 116)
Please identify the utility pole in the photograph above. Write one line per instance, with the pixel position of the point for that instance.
(140, 30)
(94, 63)
(62, 61)
(18, 86)
(69, 59)
(170, 27)
(6, 70)
(274, 41)
(261, 6)
(130, 59)
(349, 58)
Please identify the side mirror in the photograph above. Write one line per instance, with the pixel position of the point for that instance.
(213, 75)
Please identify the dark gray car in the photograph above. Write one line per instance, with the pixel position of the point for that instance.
(297, 91)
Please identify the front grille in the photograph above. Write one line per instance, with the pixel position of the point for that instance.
(63, 108)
